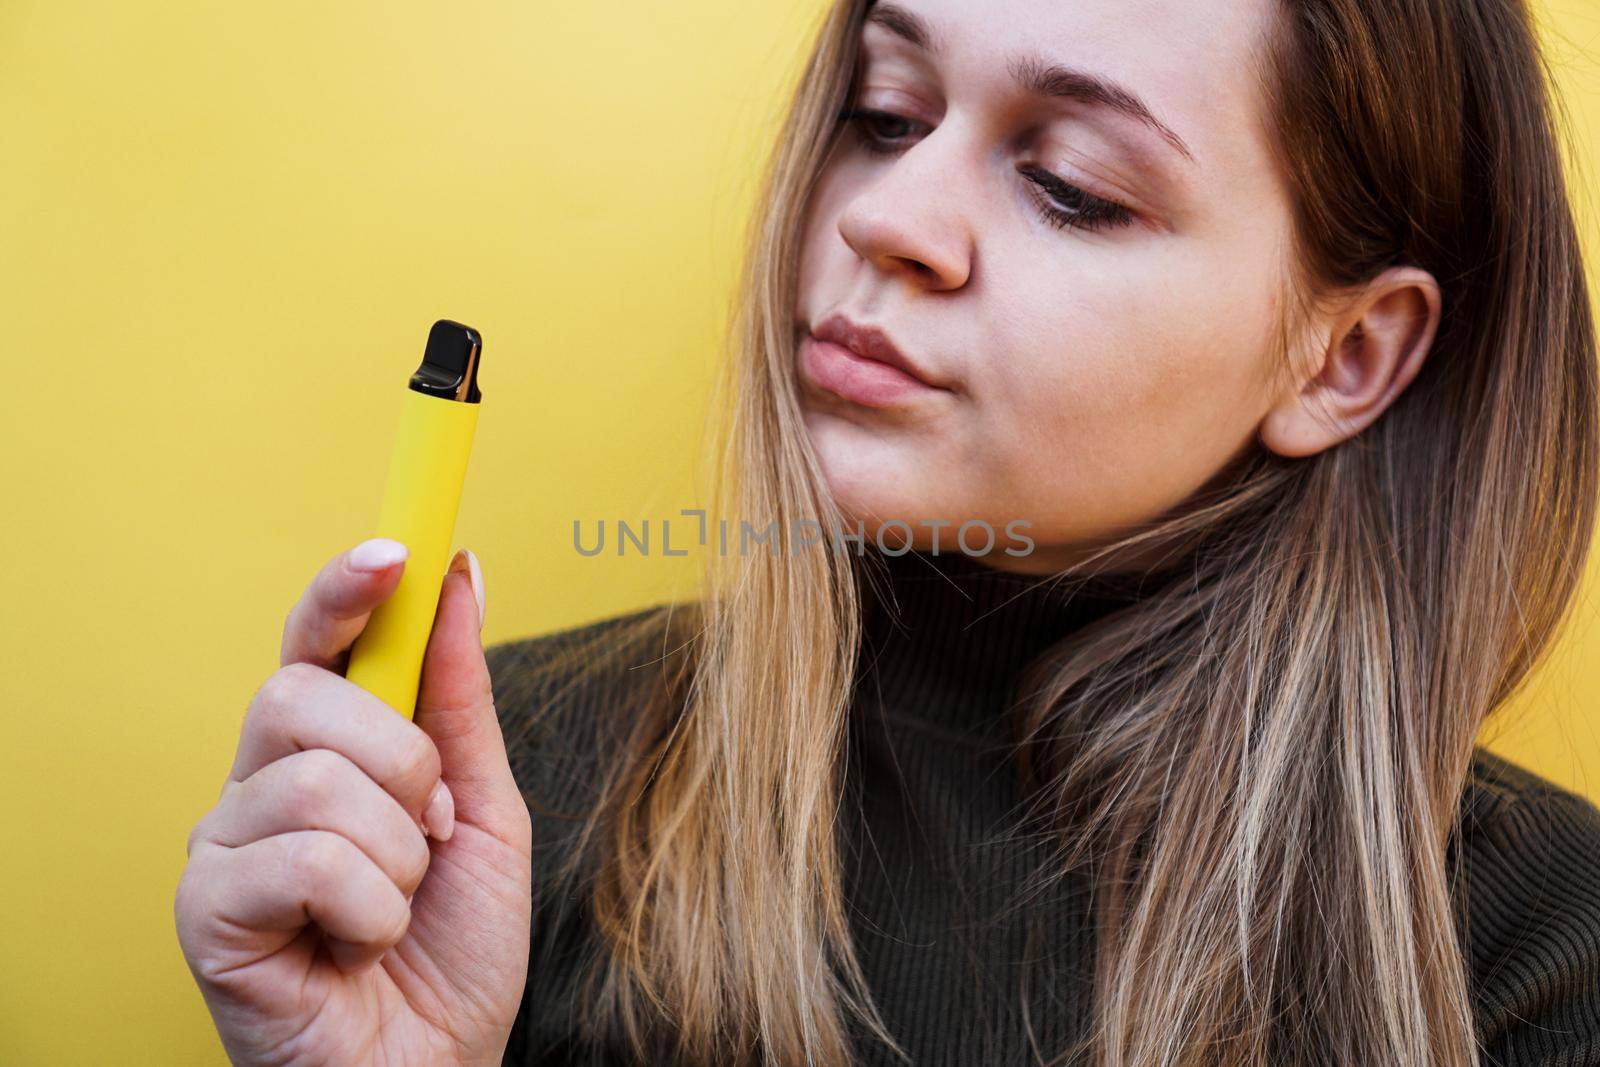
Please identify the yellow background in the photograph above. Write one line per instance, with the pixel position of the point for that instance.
(226, 230)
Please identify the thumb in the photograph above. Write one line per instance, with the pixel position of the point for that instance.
(455, 707)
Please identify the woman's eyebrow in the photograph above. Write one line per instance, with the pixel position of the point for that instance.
(1036, 76)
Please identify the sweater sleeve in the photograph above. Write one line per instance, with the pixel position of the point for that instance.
(1534, 934)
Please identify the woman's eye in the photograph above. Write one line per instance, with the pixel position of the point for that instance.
(863, 119)
(1063, 204)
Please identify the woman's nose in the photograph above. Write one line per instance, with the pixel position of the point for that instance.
(909, 219)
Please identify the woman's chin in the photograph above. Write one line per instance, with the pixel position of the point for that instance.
(868, 478)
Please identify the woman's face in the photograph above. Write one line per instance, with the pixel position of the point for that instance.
(1098, 304)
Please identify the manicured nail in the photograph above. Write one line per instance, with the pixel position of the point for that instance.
(466, 562)
(439, 817)
(376, 554)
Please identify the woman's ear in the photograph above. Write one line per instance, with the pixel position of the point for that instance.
(1376, 346)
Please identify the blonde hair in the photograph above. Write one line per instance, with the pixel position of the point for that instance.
(1267, 751)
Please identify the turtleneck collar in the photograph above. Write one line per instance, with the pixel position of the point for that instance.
(946, 636)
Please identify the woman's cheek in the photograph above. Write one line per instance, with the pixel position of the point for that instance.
(1101, 446)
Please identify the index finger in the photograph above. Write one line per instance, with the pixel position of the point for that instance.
(335, 606)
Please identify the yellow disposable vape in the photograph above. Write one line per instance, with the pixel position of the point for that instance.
(420, 500)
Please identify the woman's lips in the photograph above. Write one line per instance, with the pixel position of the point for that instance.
(856, 378)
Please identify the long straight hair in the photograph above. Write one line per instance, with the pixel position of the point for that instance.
(1258, 764)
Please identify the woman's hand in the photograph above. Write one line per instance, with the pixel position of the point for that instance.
(323, 925)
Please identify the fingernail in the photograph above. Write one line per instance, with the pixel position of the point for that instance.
(439, 817)
(466, 562)
(376, 554)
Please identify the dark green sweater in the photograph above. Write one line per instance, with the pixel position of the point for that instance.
(932, 786)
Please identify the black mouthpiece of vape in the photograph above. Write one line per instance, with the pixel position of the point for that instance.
(450, 363)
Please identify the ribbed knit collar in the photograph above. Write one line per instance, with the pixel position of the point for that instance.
(946, 636)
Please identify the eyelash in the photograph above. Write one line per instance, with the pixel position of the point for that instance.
(1070, 206)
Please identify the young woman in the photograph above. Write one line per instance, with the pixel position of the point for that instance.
(1255, 332)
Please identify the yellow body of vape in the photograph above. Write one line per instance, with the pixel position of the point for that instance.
(420, 501)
